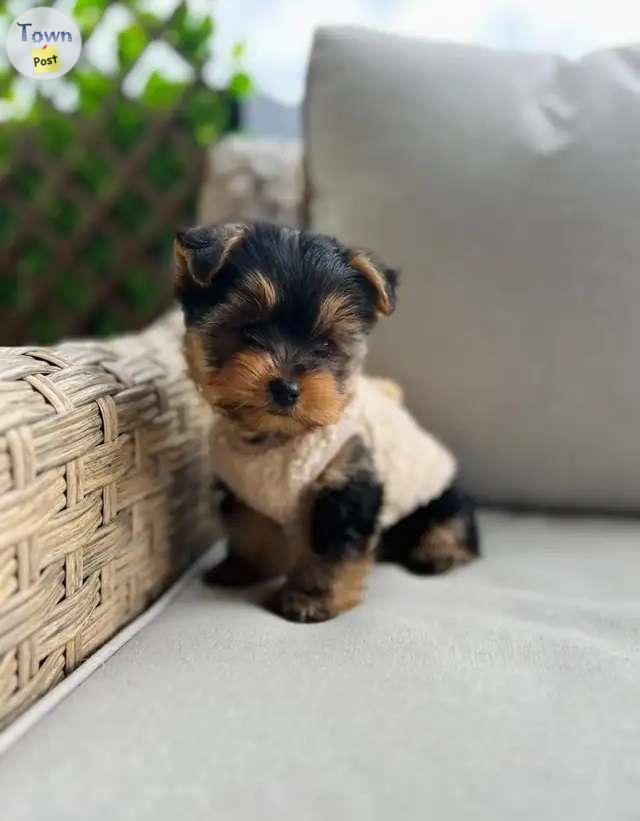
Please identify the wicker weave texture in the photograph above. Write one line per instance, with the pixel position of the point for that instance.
(104, 491)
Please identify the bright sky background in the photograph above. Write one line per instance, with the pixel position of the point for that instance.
(278, 33)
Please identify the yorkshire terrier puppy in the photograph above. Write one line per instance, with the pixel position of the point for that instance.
(321, 470)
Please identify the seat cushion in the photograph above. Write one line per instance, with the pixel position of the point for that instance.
(505, 186)
(508, 689)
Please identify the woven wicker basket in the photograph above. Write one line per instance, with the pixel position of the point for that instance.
(103, 497)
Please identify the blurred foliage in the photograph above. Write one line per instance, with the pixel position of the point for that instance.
(54, 164)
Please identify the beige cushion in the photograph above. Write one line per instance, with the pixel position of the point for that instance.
(506, 691)
(507, 187)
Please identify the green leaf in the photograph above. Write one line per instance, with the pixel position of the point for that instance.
(87, 14)
(10, 291)
(140, 289)
(204, 111)
(26, 180)
(131, 212)
(8, 224)
(5, 152)
(165, 165)
(132, 41)
(127, 124)
(160, 93)
(161, 245)
(6, 84)
(92, 172)
(237, 52)
(99, 252)
(44, 329)
(240, 84)
(206, 133)
(40, 109)
(93, 88)
(72, 291)
(57, 133)
(190, 35)
(148, 20)
(106, 323)
(63, 214)
(34, 259)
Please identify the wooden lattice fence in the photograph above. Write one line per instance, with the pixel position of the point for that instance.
(90, 200)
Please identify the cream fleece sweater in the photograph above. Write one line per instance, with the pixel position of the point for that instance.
(412, 465)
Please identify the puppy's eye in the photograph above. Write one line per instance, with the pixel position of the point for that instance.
(324, 347)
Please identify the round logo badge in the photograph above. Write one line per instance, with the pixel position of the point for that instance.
(43, 43)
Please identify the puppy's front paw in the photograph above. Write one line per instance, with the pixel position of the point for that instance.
(296, 605)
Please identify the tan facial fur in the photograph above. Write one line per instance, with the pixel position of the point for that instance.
(239, 388)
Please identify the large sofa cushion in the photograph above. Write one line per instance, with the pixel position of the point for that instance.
(507, 188)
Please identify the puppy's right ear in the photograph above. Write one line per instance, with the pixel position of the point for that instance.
(201, 252)
(383, 280)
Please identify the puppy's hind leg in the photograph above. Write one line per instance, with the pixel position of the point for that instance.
(435, 537)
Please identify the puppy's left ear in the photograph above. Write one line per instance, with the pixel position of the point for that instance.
(200, 253)
(382, 279)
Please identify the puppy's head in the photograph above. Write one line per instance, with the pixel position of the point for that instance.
(276, 321)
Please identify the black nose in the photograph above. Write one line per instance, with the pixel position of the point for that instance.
(284, 393)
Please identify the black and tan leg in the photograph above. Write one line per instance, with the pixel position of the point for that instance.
(339, 534)
(257, 547)
(435, 537)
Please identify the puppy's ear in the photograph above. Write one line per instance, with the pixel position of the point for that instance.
(199, 253)
(382, 279)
